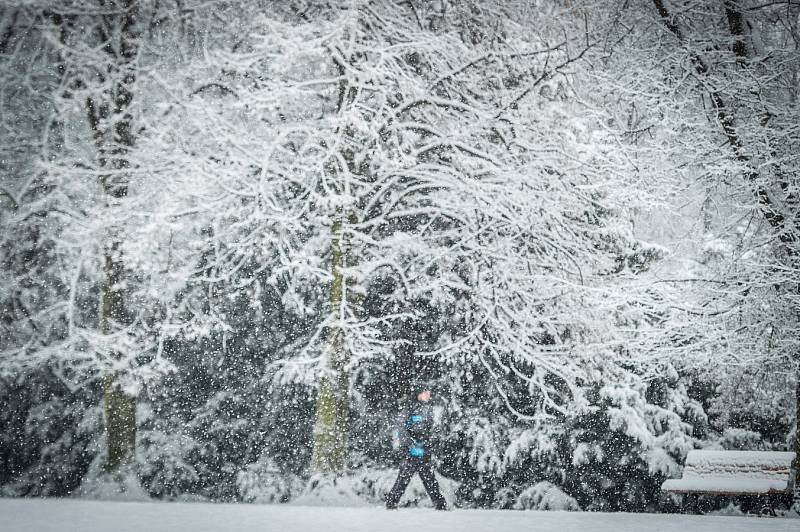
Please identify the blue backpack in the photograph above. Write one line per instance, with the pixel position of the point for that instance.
(416, 450)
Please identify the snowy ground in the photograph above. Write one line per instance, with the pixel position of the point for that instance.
(60, 515)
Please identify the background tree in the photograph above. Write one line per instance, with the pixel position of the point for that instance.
(758, 121)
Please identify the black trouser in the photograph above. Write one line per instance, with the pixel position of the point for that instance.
(410, 466)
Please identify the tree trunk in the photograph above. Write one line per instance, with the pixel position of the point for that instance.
(330, 428)
(120, 407)
(120, 415)
(736, 26)
(331, 424)
(110, 119)
(797, 443)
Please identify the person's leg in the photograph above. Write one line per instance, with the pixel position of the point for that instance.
(407, 470)
(431, 485)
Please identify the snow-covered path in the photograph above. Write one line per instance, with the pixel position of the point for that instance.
(59, 515)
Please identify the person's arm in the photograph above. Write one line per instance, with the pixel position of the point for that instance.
(400, 437)
(396, 437)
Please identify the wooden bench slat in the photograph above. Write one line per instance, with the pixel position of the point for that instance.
(724, 486)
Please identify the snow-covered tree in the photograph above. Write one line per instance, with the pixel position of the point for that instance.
(712, 117)
(92, 312)
(395, 143)
(577, 220)
(749, 78)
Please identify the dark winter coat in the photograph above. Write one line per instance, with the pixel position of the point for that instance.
(414, 429)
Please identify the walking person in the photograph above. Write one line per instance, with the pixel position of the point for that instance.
(412, 438)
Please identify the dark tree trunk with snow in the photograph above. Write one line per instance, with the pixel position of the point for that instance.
(770, 210)
(110, 118)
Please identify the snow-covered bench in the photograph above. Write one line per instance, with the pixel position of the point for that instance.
(759, 478)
